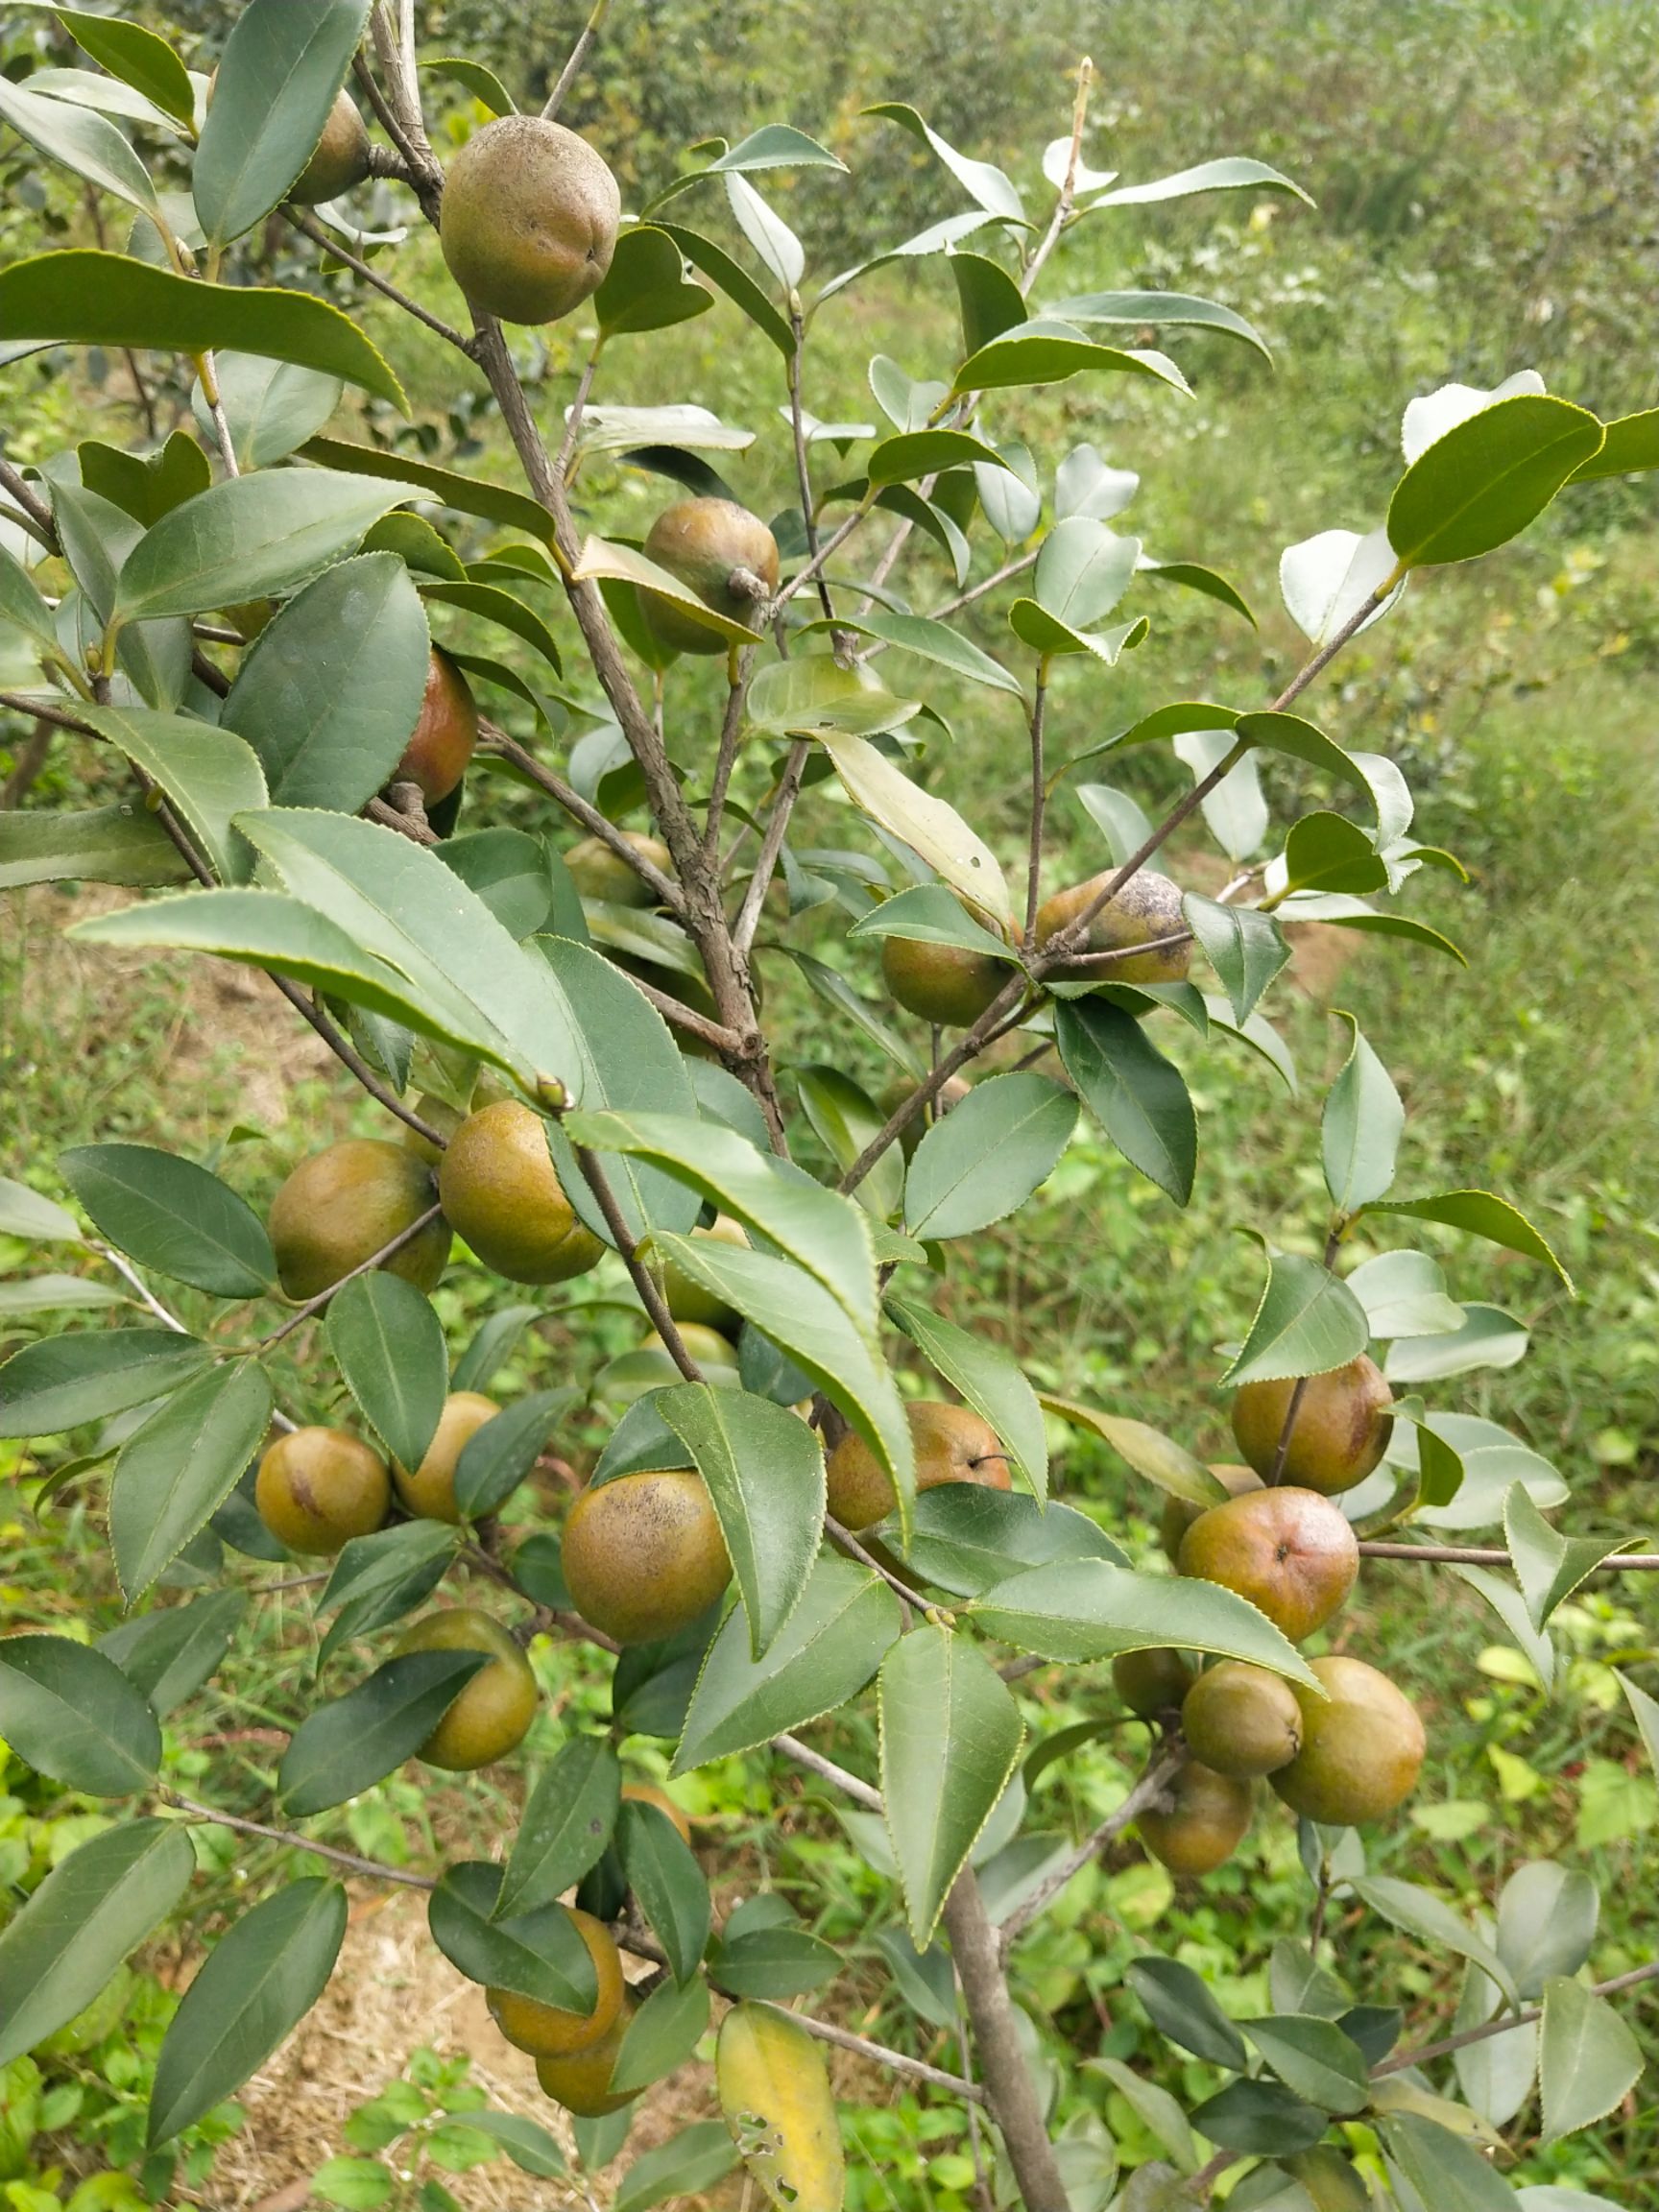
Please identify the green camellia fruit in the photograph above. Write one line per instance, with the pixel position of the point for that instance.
(348, 1202)
(1363, 1746)
(1292, 1552)
(1203, 1823)
(1241, 1719)
(1339, 1434)
(644, 1555)
(530, 219)
(718, 550)
(492, 1713)
(1146, 909)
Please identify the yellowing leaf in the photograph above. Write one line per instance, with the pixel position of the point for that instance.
(775, 2093)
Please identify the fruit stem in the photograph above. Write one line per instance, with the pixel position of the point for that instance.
(591, 31)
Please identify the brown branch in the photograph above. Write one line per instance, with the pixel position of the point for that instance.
(1146, 1793)
(578, 54)
(1009, 2089)
(895, 2060)
(387, 1251)
(31, 502)
(1502, 2025)
(1470, 1555)
(349, 1057)
(850, 1785)
(27, 764)
(748, 920)
(374, 1868)
(662, 888)
(1038, 797)
(369, 274)
(650, 1294)
(1068, 183)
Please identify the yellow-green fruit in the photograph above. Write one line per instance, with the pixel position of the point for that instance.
(492, 1713)
(944, 984)
(893, 1095)
(644, 1555)
(549, 2031)
(953, 1445)
(1207, 1816)
(445, 734)
(341, 159)
(707, 1346)
(1331, 2181)
(1292, 1552)
(1340, 1432)
(704, 543)
(1178, 1516)
(502, 1191)
(344, 1204)
(1362, 1745)
(1147, 908)
(1153, 1682)
(600, 874)
(688, 1301)
(530, 216)
(1242, 1720)
(438, 1113)
(582, 2082)
(429, 1492)
(648, 1793)
(317, 1488)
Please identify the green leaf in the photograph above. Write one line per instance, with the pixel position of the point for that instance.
(36, 1220)
(1178, 309)
(663, 2035)
(1487, 477)
(915, 453)
(603, 560)
(539, 1955)
(1548, 1567)
(929, 825)
(664, 1876)
(647, 287)
(1420, 1913)
(88, 144)
(765, 1468)
(499, 1455)
(1154, 2108)
(208, 775)
(1260, 2117)
(1083, 570)
(1546, 1916)
(283, 63)
(1049, 352)
(950, 1737)
(330, 690)
(565, 1824)
(22, 1297)
(773, 1963)
(175, 1473)
(465, 495)
(1646, 1709)
(1404, 1294)
(81, 298)
(1246, 948)
(777, 146)
(1208, 583)
(736, 281)
(833, 1643)
(383, 1576)
(984, 1159)
(258, 1981)
(21, 603)
(1306, 1323)
(1493, 1461)
(354, 2184)
(967, 1538)
(170, 1654)
(847, 1118)
(989, 1377)
(1314, 2060)
(170, 1215)
(1181, 2007)
(253, 536)
(1140, 1098)
(1360, 1132)
(813, 695)
(981, 180)
(930, 640)
(989, 300)
(692, 2160)
(119, 844)
(86, 1375)
(492, 603)
(1447, 2171)
(1327, 852)
(70, 1712)
(930, 915)
(1479, 1214)
(528, 2144)
(92, 1908)
(388, 1345)
(1077, 1610)
(1631, 442)
(272, 407)
(138, 57)
(354, 1741)
(1232, 173)
(1157, 1456)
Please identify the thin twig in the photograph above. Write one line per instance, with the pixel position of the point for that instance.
(969, 2091)
(374, 1868)
(748, 920)
(387, 1251)
(207, 369)
(595, 24)
(650, 1293)
(1470, 1555)
(850, 1543)
(1146, 1791)
(1038, 796)
(739, 664)
(1069, 182)
(831, 545)
(802, 468)
(371, 275)
(578, 407)
(29, 500)
(348, 1056)
(850, 1786)
(1504, 2022)
(662, 888)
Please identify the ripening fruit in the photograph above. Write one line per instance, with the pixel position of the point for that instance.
(944, 983)
(1340, 1433)
(549, 2031)
(341, 159)
(600, 874)
(1207, 1816)
(644, 1555)
(1362, 1745)
(446, 729)
(1178, 1516)
(1153, 1682)
(317, 1488)
(703, 543)
(1292, 1552)
(649, 1794)
(953, 1445)
(502, 1191)
(530, 216)
(1148, 907)
(344, 1204)
(492, 1713)
(1242, 1720)
(429, 1492)
(893, 1095)
(689, 1303)
(439, 1115)
(714, 1354)
(582, 2082)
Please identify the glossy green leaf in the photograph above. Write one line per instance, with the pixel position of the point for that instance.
(122, 843)
(1140, 1098)
(1363, 1124)
(1155, 2107)
(1178, 309)
(950, 1738)
(1314, 2060)
(136, 56)
(917, 453)
(1479, 1214)
(175, 1473)
(82, 298)
(765, 1468)
(1404, 1294)
(990, 1378)
(1151, 1453)
(354, 1741)
(170, 1215)
(1261, 2117)
(604, 561)
(283, 65)
(989, 300)
(87, 143)
(380, 1578)
(388, 1345)
(929, 825)
(171, 1654)
(1208, 583)
(934, 642)
(813, 695)
(1447, 2171)
(647, 287)
(1327, 852)
(1181, 2007)
(209, 776)
(35, 1218)
(328, 694)
(1307, 1322)
(983, 1160)
(565, 1824)
(491, 603)
(833, 1643)
(1083, 570)
(93, 1908)
(693, 2159)
(465, 495)
(1489, 476)
(500, 1455)
(773, 1963)
(21, 603)
(1422, 1914)
(930, 915)
(539, 1955)
(1232, 173)
(671, 1887)
(1645, 1711)
(1246, 948)
(736, 281)
(88, 1375)
(21, 1297)
(70, 1712)
(1546, 1916)
(1076, 1609)
(272, 407)
(1548, 1566)
(967, 1537)
(663, 2035)
(981, 180)
(257, 1982)
(1631, 444)
(847, 1118)
(531, 2149)
(1049, 352)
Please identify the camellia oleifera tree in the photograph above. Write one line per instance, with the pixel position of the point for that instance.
(232, 632)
